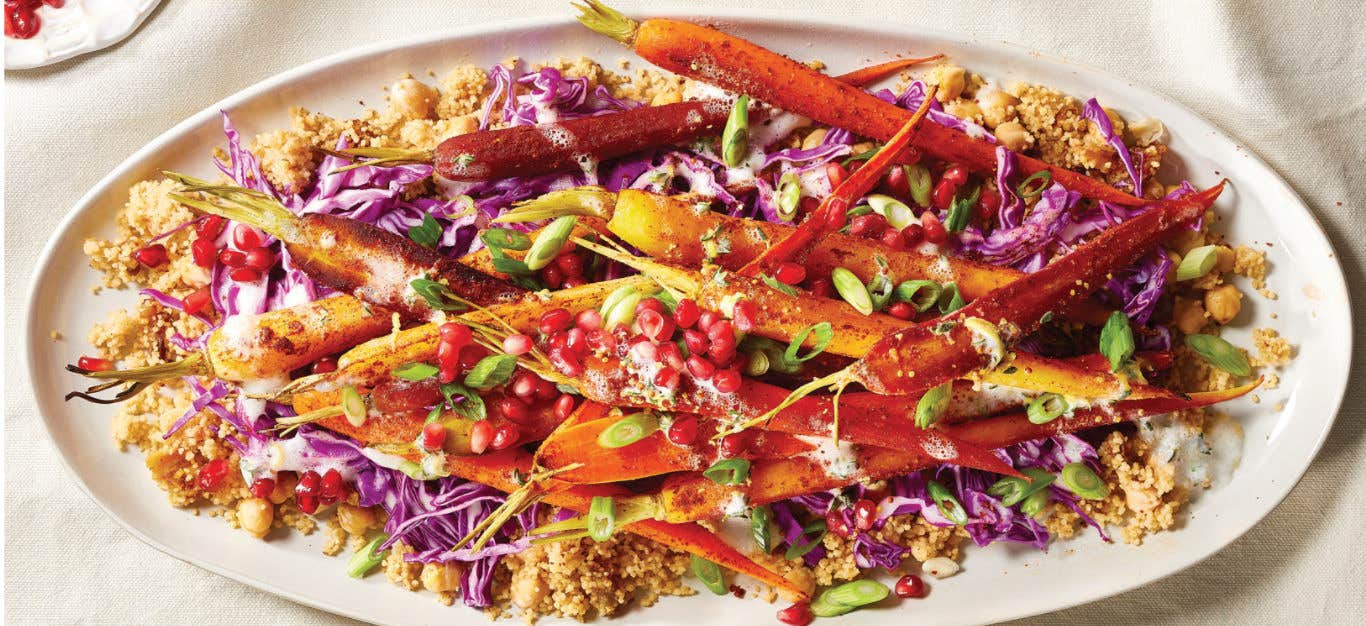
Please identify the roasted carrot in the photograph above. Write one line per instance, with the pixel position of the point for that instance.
(865, 76)
(736, 65)
(259, 351)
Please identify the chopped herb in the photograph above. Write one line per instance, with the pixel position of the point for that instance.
(505, 239)
(491, 371)
(437, 295)
(428, 233)
(472, 407)
(961, 211)
(1117, 340)
(415, 371)
(777, 284)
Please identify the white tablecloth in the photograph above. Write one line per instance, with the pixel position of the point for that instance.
(1287, 80)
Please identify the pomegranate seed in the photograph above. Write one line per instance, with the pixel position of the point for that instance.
(588, 319)
(470, 355)
(211, 474)
(696, 341)
(835, 523)
(790, 273)
(667, 378)
(195, 302)
(901, 310)
(325, 365)
(837, 217)
(94, 364)
(245, 237)
(601, 341)
(447, 373)
(513, 410)
(650, 304)
(654, 324)
(987, 204)
(433, 436)
(306, 492)
(822, 287)
(722, 333)
(868, 226)
(897, 183)
(151, 256)
(955, 174)
(552, 276)
(558, 340)
(910, 586)
(204, 252)
(332, 489)
(232, 258)
(555, 320)
(893, 240)
(210, 227)
(727, 381)
(744, 315)
(263, 487)
(683, 431)
(706, 319)
(700, 368)
(670, 355)
(524, 386)
(517, 345)
(798, 614)
(564, 406)
(934, 229)
(735, 444)
(570, 264)
(566, 362)
(943, 194)
(456, 334)
(721, 355)
(686, 313)
(576, 340)
(645, 352)
(836, 174)
(481, 434)
(865, 514)
(21, 22)
(545, 390)
(447, 354)
(260, 258)
(505, 436)
(913, 234)
(807, 206)
(245, 275)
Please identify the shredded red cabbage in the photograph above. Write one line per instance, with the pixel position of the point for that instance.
(1093, 111)
(915, 94)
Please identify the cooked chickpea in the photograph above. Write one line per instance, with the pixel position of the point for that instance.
(964, 110)
(255, 515)
(1146, 131)
(813, 138)
(1224, 258)
(997, 106)
(952, 80)
(354, 519)
(440, 577)
(666, 97)
(1189, 315)
(284, 487)
(526, 588)
(1012, 135)
(412, 99)
(1224, 303)
(861, 147)
(1186, 240)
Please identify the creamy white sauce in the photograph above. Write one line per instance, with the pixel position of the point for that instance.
(736, 505)
(292, 455)
(838, 460)
(1202, 459)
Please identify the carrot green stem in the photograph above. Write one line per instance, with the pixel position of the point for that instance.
(587, 201)
(607, 21)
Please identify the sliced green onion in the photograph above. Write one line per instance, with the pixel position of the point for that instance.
(735, 138)
(1046, 408)
(548, 244)
(367, 558)
(728, 471)
(613, 298)
(918, 177)
(861, 209)
(623, 312)
(880, 290)
(602, 518)
(1012, 490)
(950, 299)
(848, 597)
(897, 213)
(710, 575)
(629, 430)
(933, 404)
(353, 406)
(1220, 354)
(1117, 340)
(948, 505)
(758, 363)
(491, 371)
(1034, 184)
(852, 290)
(1079, 479)
(789, 196)
(505, 239)
(961, 211)
(1034, 504)
(415, 371)
(761, 522)
(824, 332)
(922, 294)
(1197, 263)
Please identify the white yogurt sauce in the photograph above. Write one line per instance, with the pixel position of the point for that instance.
(1202, 459)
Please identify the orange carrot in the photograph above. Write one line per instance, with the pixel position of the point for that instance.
(865, 76)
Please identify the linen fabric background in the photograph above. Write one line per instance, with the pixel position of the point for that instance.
(1285, 79)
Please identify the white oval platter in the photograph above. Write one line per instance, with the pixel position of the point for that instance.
(1258, 209)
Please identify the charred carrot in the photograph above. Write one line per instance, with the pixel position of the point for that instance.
(733, 64)
(832, 214)
(259, 351)
(865, 76)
